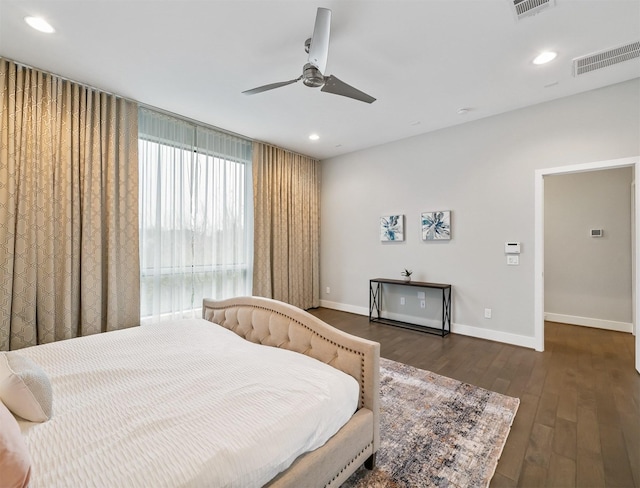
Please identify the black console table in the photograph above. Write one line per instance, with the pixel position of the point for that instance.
(375, 304)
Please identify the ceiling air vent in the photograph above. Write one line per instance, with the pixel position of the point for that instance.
(602, 59)
(525, 8)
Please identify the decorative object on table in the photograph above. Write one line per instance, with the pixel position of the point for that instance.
(406, 273)
(436, 225)
(392, 228)
(435, 431)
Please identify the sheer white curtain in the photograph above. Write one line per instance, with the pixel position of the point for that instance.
(196, 222)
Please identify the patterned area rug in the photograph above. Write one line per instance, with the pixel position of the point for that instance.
(435, 431)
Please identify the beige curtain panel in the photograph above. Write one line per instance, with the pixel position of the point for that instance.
(69, 263)
(286, 192)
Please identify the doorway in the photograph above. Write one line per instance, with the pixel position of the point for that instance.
(539, 242)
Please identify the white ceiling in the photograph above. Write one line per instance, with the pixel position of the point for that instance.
(421, 59)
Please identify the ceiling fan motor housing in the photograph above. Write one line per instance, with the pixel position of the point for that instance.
(311, 76)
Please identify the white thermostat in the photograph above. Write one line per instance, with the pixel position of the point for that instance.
(596, 232)
(512, 248)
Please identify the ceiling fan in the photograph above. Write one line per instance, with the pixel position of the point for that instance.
(312, 72)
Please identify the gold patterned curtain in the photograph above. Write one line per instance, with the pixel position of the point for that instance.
(69, 263)
(286, 192)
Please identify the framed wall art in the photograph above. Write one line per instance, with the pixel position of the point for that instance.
(392, 228)
(436, 225)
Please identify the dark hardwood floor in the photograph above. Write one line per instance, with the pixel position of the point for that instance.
(578, 423)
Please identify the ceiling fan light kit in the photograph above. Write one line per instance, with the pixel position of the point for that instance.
(313, 71)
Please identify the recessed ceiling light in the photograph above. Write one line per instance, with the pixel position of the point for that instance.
(545, 57)
(38, 23)
(314, 137)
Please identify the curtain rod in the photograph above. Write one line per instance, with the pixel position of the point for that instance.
(140, 104)
(190, 120)
(151, 107)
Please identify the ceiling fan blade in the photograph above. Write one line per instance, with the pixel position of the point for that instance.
(319, 48)
(338, 87)
(271, 86)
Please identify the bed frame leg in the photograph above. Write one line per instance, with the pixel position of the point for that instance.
(370, 463)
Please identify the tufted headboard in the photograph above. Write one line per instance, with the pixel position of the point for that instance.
(278, 324)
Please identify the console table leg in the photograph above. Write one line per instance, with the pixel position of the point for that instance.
(374, 300)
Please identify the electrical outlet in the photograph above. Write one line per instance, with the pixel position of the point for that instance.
(423, 304)
(487, 313)
(401, 300)
(513, 260)
(328, 290)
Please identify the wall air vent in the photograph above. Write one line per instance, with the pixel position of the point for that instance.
(602, 59)
(526, 8)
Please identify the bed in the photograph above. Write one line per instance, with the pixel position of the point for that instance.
(189, 404)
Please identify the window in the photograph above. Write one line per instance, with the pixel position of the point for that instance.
(195, 216)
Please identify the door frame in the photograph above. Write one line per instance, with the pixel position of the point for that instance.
(538, 265)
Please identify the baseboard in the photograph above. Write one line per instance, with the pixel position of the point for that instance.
(494, 335)
(467, 330)
(589, 322)
(344, 308)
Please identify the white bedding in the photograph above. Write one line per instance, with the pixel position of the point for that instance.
(185, 403)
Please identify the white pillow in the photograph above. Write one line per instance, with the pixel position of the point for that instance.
(15, 462)
(25, 388)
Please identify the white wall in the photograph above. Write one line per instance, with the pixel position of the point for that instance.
(588, 280)
(483, 172)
